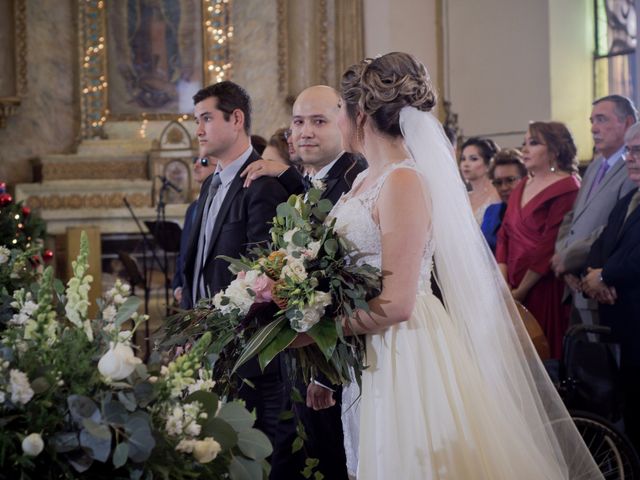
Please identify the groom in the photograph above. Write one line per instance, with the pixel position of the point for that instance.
(318, 142)
(229, 220)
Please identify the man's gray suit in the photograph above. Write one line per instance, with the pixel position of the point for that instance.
(584, 223)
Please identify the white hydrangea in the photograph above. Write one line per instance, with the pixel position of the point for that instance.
(311, 314)
(20, 388)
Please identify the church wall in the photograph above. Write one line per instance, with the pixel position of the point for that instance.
(47, 119)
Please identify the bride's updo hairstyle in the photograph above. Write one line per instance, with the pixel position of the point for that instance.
(380, 87)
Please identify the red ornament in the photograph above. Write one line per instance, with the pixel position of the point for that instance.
(47, 255)
(26, 211)
(5, 199)
(35, 260)
(3, 187)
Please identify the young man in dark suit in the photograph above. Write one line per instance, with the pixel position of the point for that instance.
(229, 220)
(318, 142)
(613, 279)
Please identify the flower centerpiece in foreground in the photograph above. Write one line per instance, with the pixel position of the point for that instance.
(75, 401)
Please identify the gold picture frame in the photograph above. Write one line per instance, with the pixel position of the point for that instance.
(95, 42)
(13, 86)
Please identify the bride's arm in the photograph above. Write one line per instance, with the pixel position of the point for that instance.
(404, 217)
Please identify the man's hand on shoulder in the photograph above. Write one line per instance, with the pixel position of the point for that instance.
(261, 168)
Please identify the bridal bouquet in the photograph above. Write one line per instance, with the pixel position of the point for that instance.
(75, 401)
(305, 282)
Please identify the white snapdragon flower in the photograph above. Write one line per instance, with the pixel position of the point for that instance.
(5, 254)
(32, 445)
(175, 422)
(109, 313)
(119, 361)
(203, 383)
(294, 269)
(20, 388)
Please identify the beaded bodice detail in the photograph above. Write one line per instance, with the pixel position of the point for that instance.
(355, 223)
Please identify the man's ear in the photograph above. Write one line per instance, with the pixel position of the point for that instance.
(237, 117)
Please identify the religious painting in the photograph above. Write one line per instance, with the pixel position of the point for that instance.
(154, 56)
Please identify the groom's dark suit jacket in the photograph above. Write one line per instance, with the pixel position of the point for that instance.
(323, 427)
(244, 220)
(617, 252)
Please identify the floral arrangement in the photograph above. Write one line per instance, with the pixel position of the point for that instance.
(306, 281)
(22, 253)
(75, 401)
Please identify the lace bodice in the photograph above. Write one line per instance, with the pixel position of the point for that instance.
(355, 223)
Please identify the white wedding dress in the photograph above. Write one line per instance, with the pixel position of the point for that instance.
(425, 411)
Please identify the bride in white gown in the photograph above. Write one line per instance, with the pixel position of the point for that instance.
(451, 393)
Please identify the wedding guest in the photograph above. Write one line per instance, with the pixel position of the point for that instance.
(203, 166)
(317, 140)
(535, 210)
(613, 279)
(259, 143)
(505, 172)
(229, 221)
(277, 148)
(474, 165)
(605, 182)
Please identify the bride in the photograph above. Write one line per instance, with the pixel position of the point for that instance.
(454, 391)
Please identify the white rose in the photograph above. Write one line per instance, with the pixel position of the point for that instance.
(206, 450)
(119, 362)
(294, 269)
(5, 253)
(32, 445)
(321, 300)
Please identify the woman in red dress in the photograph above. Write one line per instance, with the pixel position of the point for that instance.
(530, 226)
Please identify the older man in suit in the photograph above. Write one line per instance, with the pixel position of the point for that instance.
(318, 142)
(229, 220)
(613, 279)
(605, 182)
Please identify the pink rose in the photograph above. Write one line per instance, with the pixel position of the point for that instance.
(262, 287)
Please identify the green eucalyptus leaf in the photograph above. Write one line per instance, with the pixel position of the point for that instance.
(208, 400)
(254, 444)
(300, 238)
(98, 430)
(325, 205)
(141, 441)
(120, 454)
(115, 412)
(144, 393)
(297, 444)
(128, 308)
(65, 441)
(237, 416)
(128, 400)
(277, 345)
(81, 407)
(330, 246)
(244, 469)
(96, 442)
(325, 335)
(222, 431)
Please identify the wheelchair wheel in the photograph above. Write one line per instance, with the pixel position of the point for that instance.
(613, 452)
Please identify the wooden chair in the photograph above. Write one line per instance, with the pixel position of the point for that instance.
(535, 332)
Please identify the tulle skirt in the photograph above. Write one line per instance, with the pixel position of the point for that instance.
(426, 413)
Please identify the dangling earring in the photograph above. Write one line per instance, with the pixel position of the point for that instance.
(552, 169)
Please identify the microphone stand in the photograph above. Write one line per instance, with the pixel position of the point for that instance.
(160, 220)
(145, 271)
